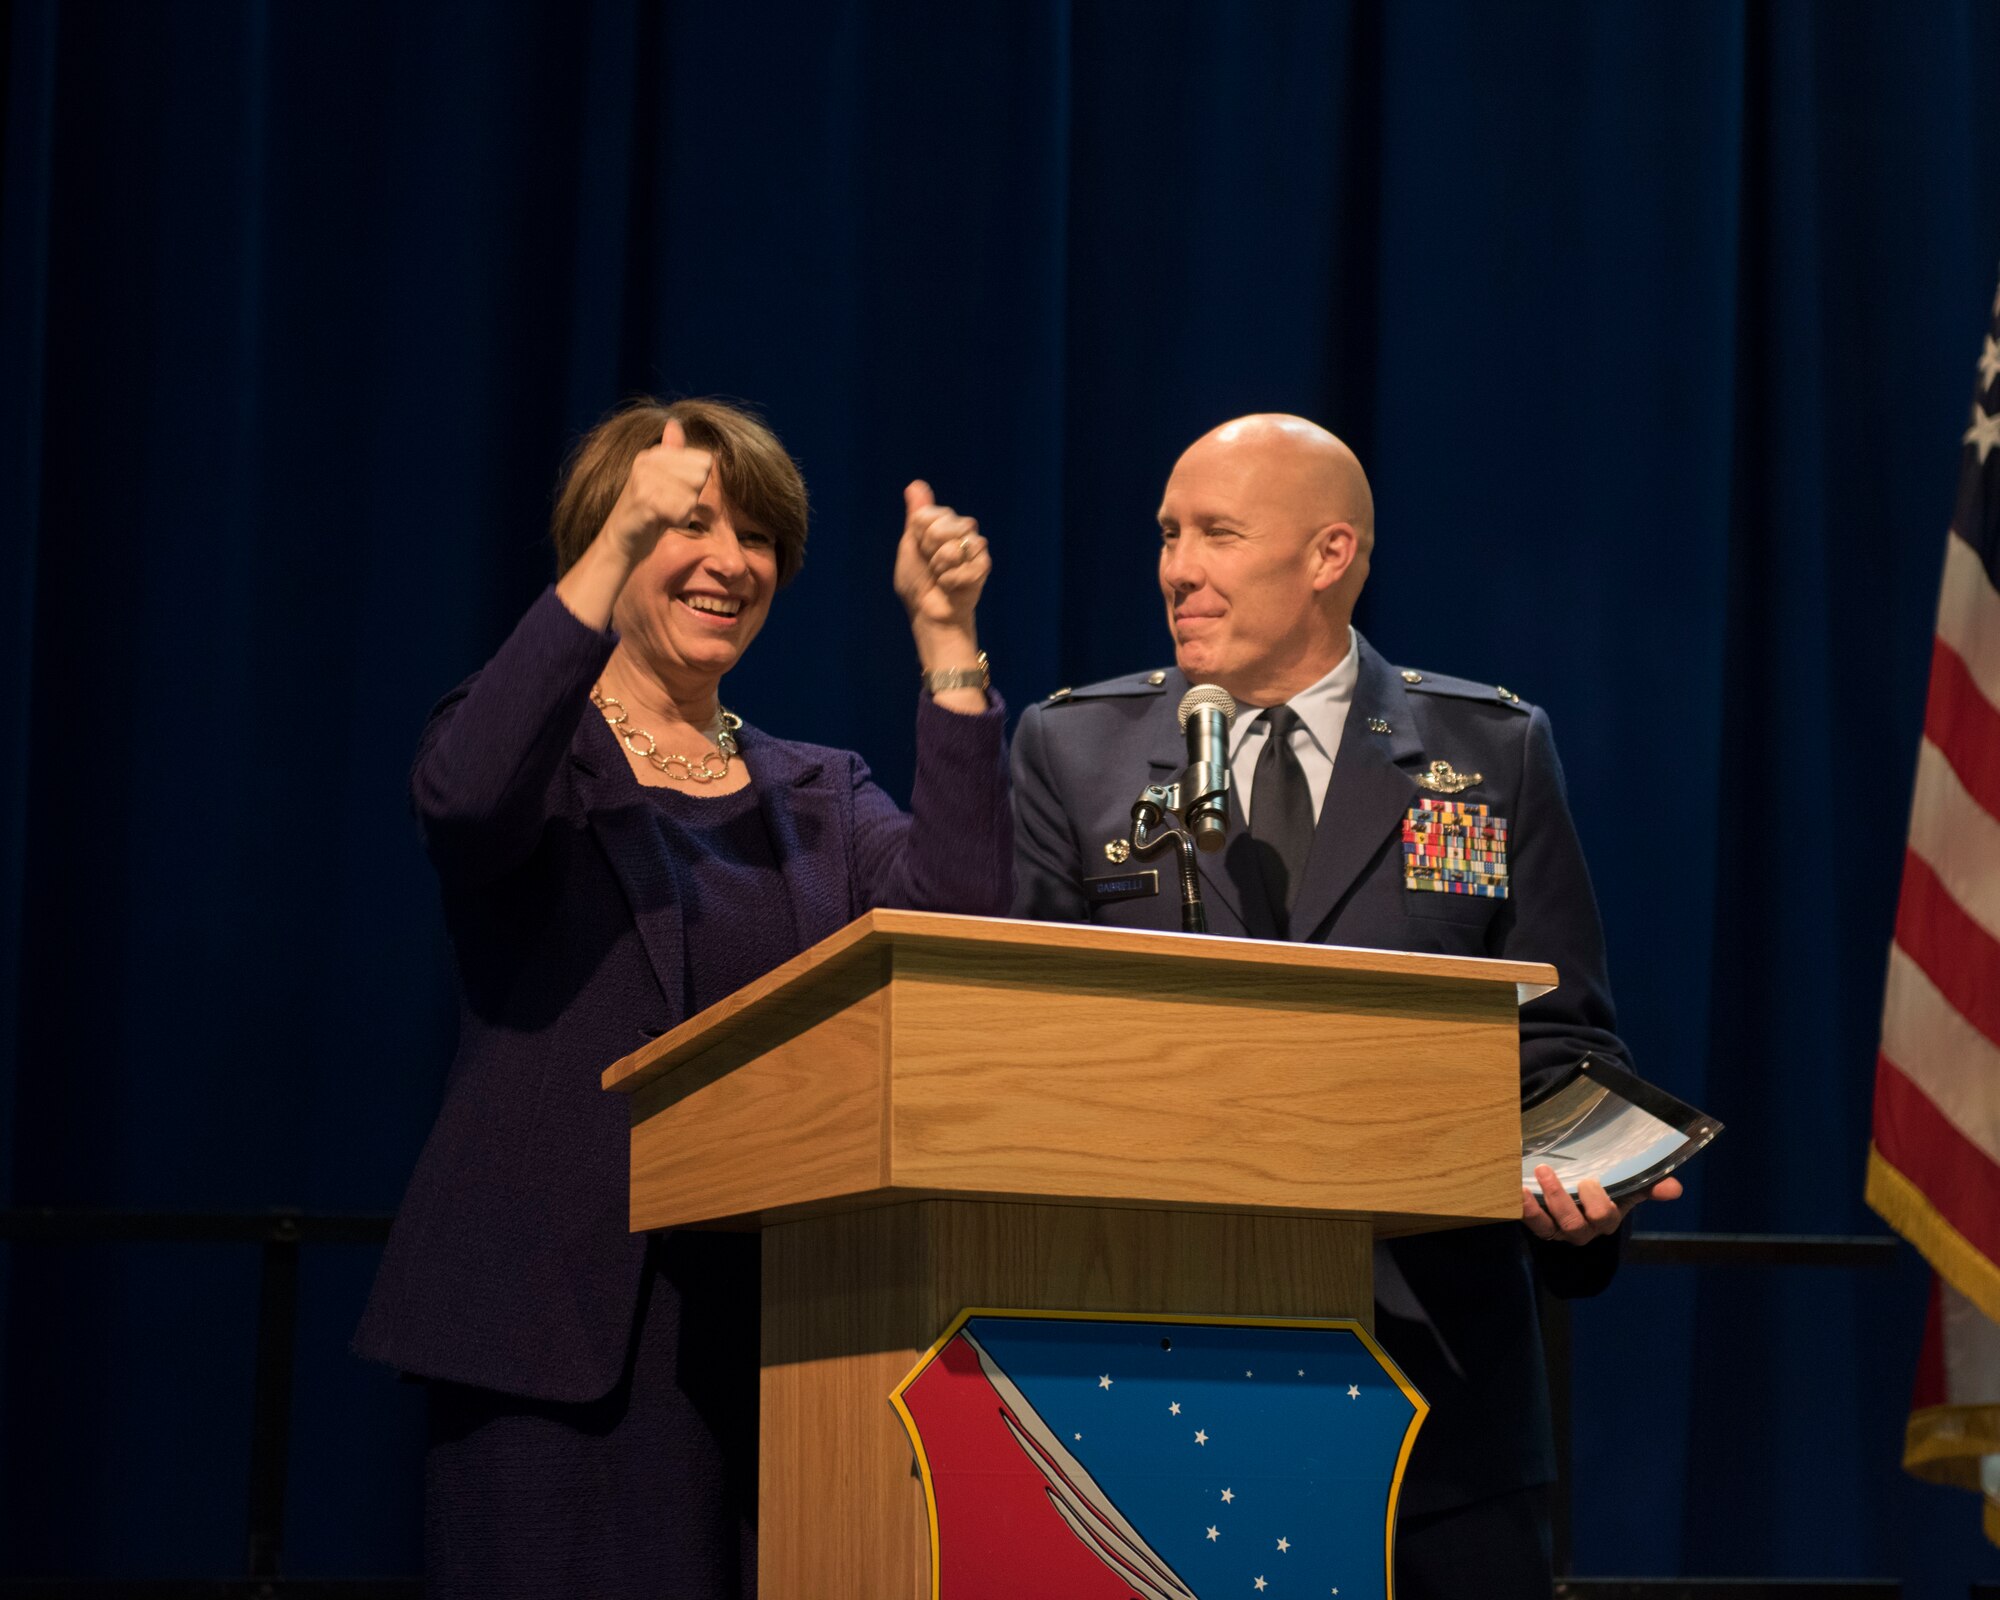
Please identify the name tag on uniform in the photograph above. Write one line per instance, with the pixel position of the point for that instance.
(1121, 886)
(1453, 848)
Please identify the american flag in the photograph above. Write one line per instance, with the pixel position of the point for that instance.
(1934, 1163)
(1115, 1458)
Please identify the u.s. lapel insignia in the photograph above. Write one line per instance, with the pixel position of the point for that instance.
(1441, 779)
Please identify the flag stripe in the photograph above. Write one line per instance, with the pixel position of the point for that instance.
(1928, 1390)
(1906, 1208)
(1975, 517)
(1965, 726)
(1961, 1185)
(1955, 953)
(1942, 1054)
(1969, 615)
(1971, 1352)
(1934, 1160)
(1959, 840)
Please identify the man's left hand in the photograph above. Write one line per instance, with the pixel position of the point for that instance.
(1590, 1214)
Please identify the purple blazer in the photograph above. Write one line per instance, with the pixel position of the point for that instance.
(510, 1265)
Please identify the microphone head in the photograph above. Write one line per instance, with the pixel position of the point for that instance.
(1204, 695)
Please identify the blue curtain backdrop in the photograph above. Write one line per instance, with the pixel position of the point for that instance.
(1655, 325)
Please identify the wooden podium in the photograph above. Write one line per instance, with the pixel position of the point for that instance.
(924, 1113)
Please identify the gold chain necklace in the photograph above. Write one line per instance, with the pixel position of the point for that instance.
(691, 771)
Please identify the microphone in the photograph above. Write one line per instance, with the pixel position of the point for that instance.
(1206, 712)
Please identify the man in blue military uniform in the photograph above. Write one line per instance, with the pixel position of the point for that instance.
(1372, 806)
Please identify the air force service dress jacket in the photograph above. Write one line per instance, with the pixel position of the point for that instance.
(1081, 758)
(510, 1265)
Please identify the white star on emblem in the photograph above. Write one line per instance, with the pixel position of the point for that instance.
(1260, 1585)
(1104, 1382)
(1212, 1533)
(1200, 1437)
(1984, 432)
(1989, 363)
(1284, 1544)
(1353, 1391)
(1173, 1408)
(1078, 1437)
(1249, 1374)
(1302, 1372)
(1228, 1495)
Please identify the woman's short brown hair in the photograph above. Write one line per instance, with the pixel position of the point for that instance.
(759, 478)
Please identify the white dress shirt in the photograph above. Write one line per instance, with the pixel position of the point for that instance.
(1322, 713)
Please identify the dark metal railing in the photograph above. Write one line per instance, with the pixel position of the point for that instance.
(1696, 1250)
(280, 1234)
(1728, 1589)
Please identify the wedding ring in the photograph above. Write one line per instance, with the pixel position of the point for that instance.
(964, 547)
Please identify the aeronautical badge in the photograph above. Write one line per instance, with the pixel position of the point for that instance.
(1450, 847)
(1441, 779)
(1106, 1457)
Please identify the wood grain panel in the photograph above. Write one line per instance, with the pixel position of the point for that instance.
(851, 1302)
(1327, 1091)
(878, 932)
(804, 1121)
(1086, 1258)
(840, 1507)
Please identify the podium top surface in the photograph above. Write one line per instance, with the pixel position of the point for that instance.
(1195, 954)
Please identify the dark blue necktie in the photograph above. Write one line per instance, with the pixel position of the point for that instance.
(1281, 815)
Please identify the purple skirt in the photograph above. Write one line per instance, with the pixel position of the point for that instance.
(649, 1492)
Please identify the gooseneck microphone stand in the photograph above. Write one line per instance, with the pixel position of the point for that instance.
(1155, 821)
(1193, 813)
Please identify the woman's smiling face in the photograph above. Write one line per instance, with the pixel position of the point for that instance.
(691, 608)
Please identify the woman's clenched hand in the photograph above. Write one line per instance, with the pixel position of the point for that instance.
(661, 492)
(942, 563)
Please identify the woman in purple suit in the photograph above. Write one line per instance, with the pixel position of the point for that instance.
(616, 852)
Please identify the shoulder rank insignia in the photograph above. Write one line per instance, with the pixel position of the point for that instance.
(1441, 779)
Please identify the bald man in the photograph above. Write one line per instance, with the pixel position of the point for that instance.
(1266, 529)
